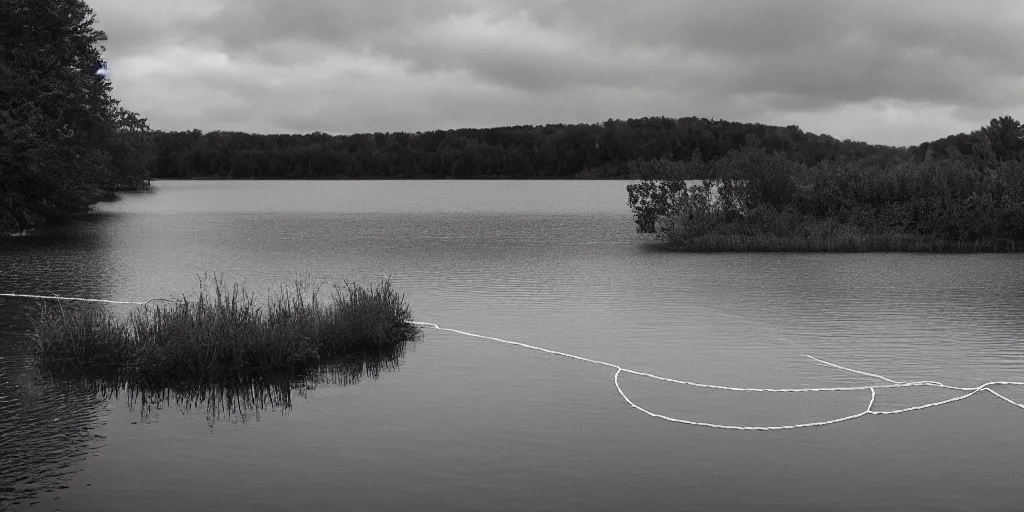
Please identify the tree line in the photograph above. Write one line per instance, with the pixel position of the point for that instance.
(612, 149)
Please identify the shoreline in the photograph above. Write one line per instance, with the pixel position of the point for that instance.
(868, 245)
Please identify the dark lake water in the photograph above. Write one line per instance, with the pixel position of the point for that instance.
(466, 424)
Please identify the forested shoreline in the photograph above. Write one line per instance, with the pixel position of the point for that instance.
(614, 149)
(964, 193)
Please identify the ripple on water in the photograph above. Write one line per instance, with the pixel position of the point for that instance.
(474, 426)
(46, 429)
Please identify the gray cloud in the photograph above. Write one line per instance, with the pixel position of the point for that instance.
(875, 70)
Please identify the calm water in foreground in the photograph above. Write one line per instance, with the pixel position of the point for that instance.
(470, 425)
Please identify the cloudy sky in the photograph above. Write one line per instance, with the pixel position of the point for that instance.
(882, 71)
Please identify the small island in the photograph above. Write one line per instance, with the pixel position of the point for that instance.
(964, 193)
(221, 336)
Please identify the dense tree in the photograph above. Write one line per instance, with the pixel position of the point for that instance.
(1001, 140)
(63, 139)
(1006, 137)
(613, 149)
(934, 197)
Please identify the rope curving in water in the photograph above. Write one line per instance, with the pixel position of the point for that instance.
(965, 392)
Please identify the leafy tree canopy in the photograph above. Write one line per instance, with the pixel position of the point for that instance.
(63, 139)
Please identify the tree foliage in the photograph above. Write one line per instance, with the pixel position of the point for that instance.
(636, 148)
(63, 139)
(1001, 140)
(973, 199)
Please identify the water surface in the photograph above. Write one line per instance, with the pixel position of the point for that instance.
(470, 425)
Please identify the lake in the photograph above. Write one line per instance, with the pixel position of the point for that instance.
(468, 424)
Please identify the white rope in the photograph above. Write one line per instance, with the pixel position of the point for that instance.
(966, 392)
(79, 299)
(866, 374)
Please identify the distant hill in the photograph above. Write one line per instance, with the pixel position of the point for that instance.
(611, 149)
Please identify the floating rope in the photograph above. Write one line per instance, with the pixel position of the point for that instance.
(79, 299)
(966, 392)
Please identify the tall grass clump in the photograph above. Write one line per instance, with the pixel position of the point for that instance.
(86, 337)
(224, 334)
(365, 319)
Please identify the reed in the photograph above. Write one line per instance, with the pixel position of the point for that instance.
(222, 333)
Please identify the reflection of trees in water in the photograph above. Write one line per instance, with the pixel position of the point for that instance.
(242, 401)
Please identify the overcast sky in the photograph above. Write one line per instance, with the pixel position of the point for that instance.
(891, 72)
